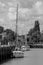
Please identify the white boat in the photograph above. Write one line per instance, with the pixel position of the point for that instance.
(25, 48)
(18, 54)
(28, 48)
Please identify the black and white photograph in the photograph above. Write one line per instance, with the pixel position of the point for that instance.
(21, 32)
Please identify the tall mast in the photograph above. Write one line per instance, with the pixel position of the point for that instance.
(17, 25)
(26, 39)
(17, 18)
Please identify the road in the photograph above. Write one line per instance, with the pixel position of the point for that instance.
(32, 57)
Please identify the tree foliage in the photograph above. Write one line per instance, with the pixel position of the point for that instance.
(1, 29)
(10, 36)
(34, 33)
(37, 27)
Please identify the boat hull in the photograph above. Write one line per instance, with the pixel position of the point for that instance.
(18, 54)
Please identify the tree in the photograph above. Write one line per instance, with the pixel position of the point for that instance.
(10, 35)
(37, 27)
(34, 33)
(1, 29)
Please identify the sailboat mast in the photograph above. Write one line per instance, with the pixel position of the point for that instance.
(26, 39)
(17, 25)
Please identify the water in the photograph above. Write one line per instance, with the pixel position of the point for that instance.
(32, 57)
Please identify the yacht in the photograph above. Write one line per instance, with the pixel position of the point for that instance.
(17, 53)
(25, 48)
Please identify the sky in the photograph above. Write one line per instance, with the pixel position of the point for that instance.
(28, 12)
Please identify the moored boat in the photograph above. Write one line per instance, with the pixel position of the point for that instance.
(25, 48)
(18, 54)
(28, 48)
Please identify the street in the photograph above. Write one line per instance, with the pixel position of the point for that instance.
(32, 57)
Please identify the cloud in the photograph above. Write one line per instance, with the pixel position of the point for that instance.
(27, 14)
(38, 8)
(10, 3)
(23, 13)
(1, 20)
(2, 4)
(26, 3)
(12, 13)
